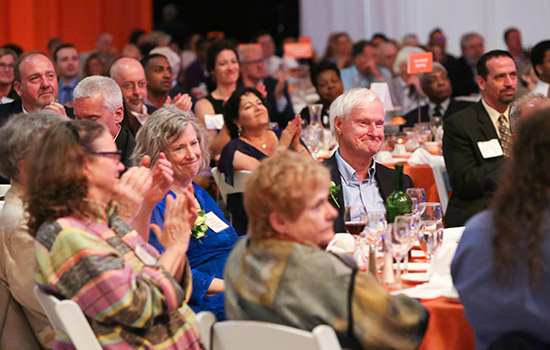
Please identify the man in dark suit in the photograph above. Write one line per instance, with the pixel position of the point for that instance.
(99, 99)
(254, 73)
(35, 81)
(437, 86)
(478, 138)
(357, 121)
(462, 72)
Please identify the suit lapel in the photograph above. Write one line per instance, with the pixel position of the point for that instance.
(336, 178)
(384, 181)
(485, 124)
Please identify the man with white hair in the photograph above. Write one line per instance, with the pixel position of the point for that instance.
(357, 122)
(405, 88)
(463, 72)
(99, 99)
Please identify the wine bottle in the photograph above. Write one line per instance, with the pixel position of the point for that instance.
(398, 203)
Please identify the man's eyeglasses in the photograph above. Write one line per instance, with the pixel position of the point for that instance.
(116, 156)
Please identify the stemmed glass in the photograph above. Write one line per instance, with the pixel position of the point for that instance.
(418, 193)
(355, 219)
(376, 227)
(430, 234)
(398, 242)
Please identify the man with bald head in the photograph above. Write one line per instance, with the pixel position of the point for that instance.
(129, 74)
(99, 99)
(254, 73)
(35, 81)
(437, 87)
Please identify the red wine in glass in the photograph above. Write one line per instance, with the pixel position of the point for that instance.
(355, 228)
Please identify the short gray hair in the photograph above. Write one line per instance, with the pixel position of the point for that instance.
(96, 84)
(349, 100)
(466, 37)
(519, 105)
(159, 130)
(435, 65)
(20, 135)
(403, 57)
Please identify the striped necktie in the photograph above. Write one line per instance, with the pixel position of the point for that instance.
(505, 135)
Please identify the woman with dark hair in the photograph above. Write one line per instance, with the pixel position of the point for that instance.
(326, 78)
(185, 142)
(94, 65)
(222, 63)
(7, 61)
(501, 268)
(246, 119)
(132, 297)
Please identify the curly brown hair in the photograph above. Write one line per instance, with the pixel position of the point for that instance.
(520, 203)
(57, 185)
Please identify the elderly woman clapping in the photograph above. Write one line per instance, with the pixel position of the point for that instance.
(132, 297)
(280, 274)
(184, 140)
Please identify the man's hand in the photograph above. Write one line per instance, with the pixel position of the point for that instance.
(57, 108)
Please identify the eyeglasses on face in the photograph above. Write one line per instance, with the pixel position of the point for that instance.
(116, 155)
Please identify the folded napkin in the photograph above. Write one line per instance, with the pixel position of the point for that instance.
(453, 234)
(421, 156)
(341, 243)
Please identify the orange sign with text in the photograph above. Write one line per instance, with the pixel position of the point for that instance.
(304, 39)
(298, 50)
(420, 63)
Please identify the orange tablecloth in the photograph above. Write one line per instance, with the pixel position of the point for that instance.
(423, 177)
(447, 328)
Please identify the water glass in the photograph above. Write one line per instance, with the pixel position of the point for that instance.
(398, 242)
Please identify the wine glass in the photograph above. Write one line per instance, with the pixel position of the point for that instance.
(418, 193)
(355, 220)
(430, 233)
(376, 227)
(398, 242)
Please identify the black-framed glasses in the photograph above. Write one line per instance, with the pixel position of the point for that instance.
(116, 155)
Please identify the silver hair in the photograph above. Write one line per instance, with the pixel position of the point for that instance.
(403, 57)
(435, 65)
(517, 107)
(161, 128)
(243, 51)
(464, 38)
(96, 84)
(20, 135)
(343, 105)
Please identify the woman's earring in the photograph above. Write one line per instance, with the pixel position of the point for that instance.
(239, 130)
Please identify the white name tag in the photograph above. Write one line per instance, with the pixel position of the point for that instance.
(144, 256)
(490, 149)
(213, 122)
(215, 223)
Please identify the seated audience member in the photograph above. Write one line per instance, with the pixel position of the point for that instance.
(273, 62)
(357, 123)
(438, 38)
(540, 56)
(339, 50)
(410, 39)
(477, 139)
(99, 99)
(184, 141)
(173, 59)
(519, 109)
(7, 61)
(290, 223)
(132, 297)
(404, 87)
(130, 77)
(512, 38)
(379, 38)
(52, 44)
(277, 98)
(131, 51)
(20, 136)
(326, 79)
(246, 119)
(223, 65)
(365, 68)
(437, 87)
(387, 53)
(67, 64)
(36, 95)
(197, 73)
(94, 65)
(500, 268)
(463, 72)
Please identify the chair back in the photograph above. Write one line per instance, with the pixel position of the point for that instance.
(239, 180)
(67, 317)
(443, 185)
(253, 335)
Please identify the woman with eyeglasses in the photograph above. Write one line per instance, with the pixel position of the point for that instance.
(7, 62)
(132, 297)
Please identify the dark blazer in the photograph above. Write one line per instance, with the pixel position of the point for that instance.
(282, 118)
(131, 123)
(8, 109)
(465, 165)
(126, 143)
(384, 178)
(411, 118)
(462, 77)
